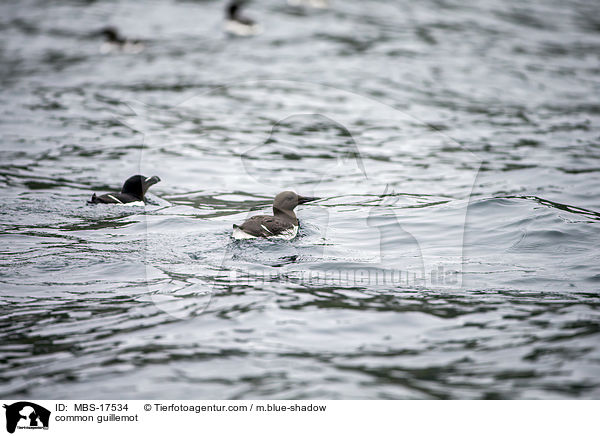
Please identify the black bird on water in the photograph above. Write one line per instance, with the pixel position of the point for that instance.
(134, 190)
(236, 23)
(112, 35)
(115, 42)
(283, 224)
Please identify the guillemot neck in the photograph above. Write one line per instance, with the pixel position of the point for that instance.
(288, 215)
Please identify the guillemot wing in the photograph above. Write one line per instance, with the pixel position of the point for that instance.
(265, 226)
(114, 198)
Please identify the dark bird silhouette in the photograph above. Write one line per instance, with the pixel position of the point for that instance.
(134, 189)
(236, 23)
(115, 42)
(282, 224)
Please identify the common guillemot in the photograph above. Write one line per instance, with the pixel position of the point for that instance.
(115, 42)
(283, 224)
(133, 191)
(237, 24)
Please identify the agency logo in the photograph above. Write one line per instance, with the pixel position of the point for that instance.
(26, 415)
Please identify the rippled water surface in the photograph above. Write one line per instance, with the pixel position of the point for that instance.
(454, 252)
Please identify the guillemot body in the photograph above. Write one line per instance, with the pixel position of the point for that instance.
(282, 224)
(133, 192)
(236, 23)
(115, 42)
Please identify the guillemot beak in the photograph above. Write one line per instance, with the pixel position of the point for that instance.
(302, 200)
(152, 180)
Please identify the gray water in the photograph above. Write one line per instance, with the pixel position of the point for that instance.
(454, 145)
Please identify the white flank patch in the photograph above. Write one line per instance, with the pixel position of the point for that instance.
(241, 29)
(115, 198)
(266, 230)
(240, 234)
(286, 235)
(107, 47)
(318, 4)
(134, 203)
